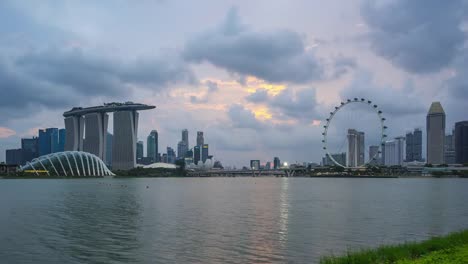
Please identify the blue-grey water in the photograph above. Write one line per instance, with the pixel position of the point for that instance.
(219, 220)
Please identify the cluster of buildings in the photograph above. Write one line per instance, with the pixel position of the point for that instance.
(198, 154)
(49, 140)
(441, 148)
(256, 165)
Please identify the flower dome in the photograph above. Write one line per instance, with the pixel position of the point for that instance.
(68, 163)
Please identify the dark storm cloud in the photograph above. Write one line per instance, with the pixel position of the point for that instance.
(419, 36)
(278, 56)
(60, 78)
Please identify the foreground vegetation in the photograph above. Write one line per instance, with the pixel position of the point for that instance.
(452, 248)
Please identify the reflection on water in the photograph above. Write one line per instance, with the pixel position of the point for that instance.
(219, 220)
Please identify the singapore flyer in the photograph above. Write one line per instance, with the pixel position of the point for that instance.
(355, 156)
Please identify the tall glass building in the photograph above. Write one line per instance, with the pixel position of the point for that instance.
(48, 141)
(435, 127)
(461, 142)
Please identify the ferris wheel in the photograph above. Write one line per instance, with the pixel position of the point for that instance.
(382, 134)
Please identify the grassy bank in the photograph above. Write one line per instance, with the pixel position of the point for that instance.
(452, 248)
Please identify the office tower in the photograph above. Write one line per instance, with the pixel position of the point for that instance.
(276, 163)
(185, 137)
(14, 156)
(414, 145)
(449, 149)
(356, 147)
(409, 147)
(109, 139)
(95, 134)
(74, 127)
(204, 152)
(124, 141)
(435, 130)
(29, 148)
(255, 164)
(394, 151)
(48, 141)
(152, 148)
(139, 150)
(171, 156)
(61, 141)
(268, 166)
(374, 157)
(200, 139)
(196, 154)
(461, 142)
(182, 149)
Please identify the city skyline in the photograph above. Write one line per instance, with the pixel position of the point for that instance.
(258, 108)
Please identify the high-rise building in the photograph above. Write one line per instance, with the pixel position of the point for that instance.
(152, 149)
(171, 156)
(182, 149)
(255, 164)
(14, 156)
(29, 148)
(276, 163)
(204, 152)
(95, 133)
(48, 141)
(74, 126)
(139, 150)
(435, 130)
(461, 142)
(124, 140)
(374, 156)
(61, 141)
(196, 154)
(449, 149)
(394, 151)
(200, 139)
(268, 165)
(414, 145)
(185, 137)
(109, 139)
(356, 156)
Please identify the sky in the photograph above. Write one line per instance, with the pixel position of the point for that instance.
(258, 77)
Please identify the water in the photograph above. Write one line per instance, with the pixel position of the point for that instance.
(219, 220)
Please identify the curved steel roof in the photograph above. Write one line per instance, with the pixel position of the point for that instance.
(110, 107)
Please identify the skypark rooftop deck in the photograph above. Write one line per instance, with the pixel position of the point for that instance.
(109, 107)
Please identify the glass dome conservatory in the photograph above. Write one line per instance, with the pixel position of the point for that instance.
(68, 163)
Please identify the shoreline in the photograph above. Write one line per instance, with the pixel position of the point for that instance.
(451, 248)
(6, 177)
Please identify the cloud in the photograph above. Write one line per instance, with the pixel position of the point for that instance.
(5, 132)
(420, 36)
(260, 95)
(276, 56)
(243, 118)
(59, 79)
(297, 104)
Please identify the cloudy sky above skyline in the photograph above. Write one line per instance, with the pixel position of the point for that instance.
(256, 76)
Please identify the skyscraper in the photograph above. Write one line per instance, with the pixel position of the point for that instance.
(125, 139)
(276, 163)
(48, 141)
(182, 149)
(96, 132)
(29, 148)
(356, 147)
(13, 156)
(461, 142)
(435, 130)
(139, 150)
(449, 149)
(171, 156)
(61, 141)
(200, 139)
(394, 151)
(196, 154)
(152, 146)
(204, 152)
(185, 137)
(414, 145)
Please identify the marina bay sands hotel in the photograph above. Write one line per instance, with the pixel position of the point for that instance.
(86, 130)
